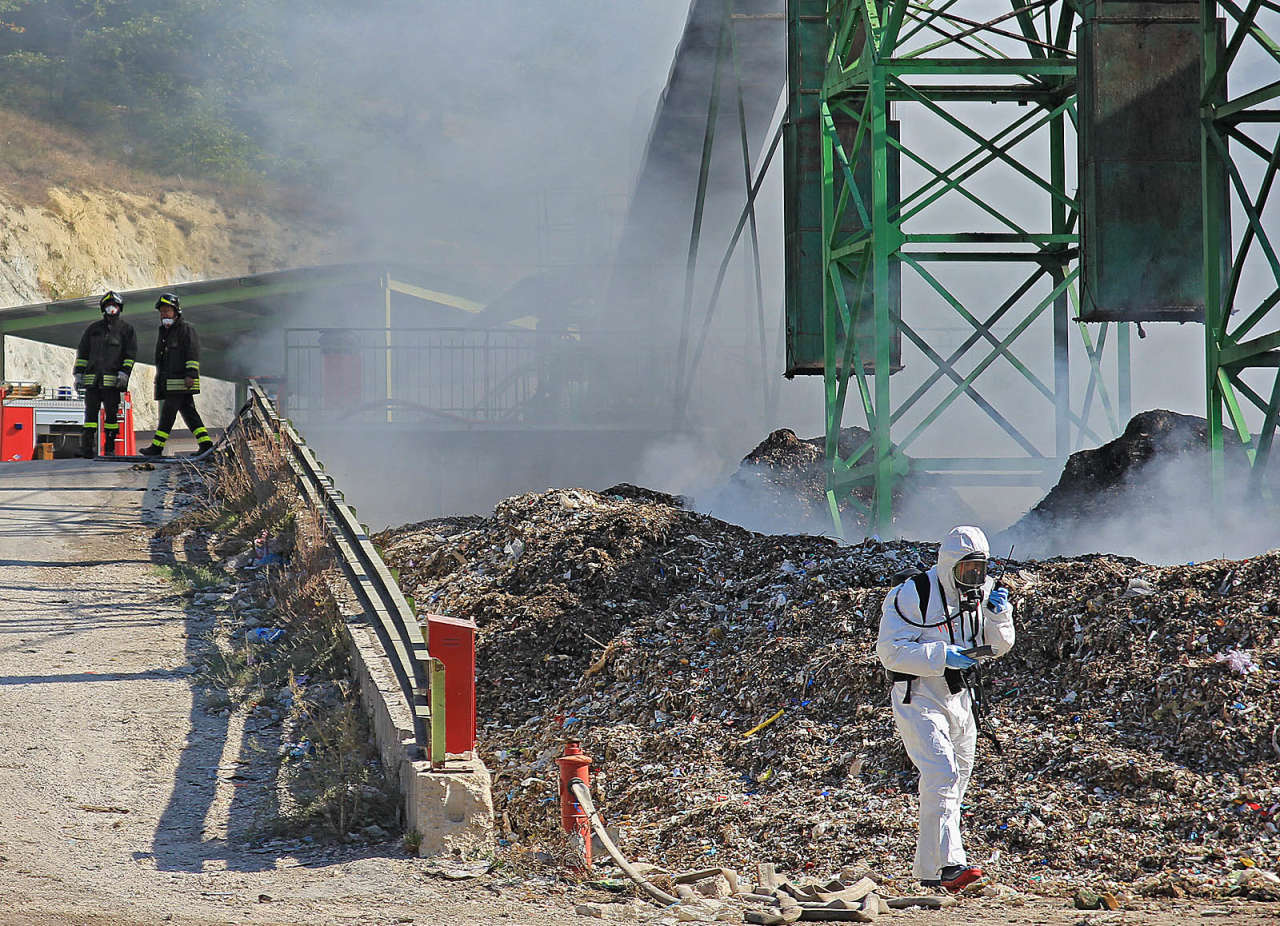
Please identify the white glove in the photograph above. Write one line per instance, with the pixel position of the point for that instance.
(78, 380)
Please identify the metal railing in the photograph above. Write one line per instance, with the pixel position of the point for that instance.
(474, 377)
(419, 675)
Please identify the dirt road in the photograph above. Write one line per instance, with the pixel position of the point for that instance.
(123, 799)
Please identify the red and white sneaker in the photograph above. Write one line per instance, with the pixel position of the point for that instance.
(955, 878)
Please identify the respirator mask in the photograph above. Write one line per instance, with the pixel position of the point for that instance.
(970, 574)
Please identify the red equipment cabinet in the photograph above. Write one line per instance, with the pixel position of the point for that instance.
(26, 420)
(452, 640)
(17, 431)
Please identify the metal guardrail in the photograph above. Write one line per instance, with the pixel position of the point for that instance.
(420, 677)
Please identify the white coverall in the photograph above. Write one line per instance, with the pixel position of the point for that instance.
(937, 727)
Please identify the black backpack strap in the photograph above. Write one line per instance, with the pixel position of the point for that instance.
(903, 677)
(923, 588)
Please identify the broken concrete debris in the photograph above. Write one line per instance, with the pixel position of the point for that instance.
(1137, 761)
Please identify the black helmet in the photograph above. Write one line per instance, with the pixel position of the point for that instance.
(111, 298)
(169, 299)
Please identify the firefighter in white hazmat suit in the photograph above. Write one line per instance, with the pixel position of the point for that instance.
(932, 702)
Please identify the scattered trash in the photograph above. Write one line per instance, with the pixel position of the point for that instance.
(1086, 899)
(1256, 884)
(1238, 661)
(514, 550)
(1138, 587)
(265, 634)
(459, 871)
(662, 632)
(760, 726)
(299, 749)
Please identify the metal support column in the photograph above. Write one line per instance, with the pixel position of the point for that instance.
(386, 292)
(1242, 333)
(1061, 307)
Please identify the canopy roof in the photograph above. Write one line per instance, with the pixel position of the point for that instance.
(227, 312)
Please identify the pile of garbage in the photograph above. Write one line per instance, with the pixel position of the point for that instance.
(1117, 498)
(726, 684)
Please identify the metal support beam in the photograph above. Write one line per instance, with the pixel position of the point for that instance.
(1231, 348)
(908, 55)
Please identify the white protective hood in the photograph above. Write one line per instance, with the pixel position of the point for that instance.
(959, 543)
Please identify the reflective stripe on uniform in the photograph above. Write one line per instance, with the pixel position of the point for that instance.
(162, 435)
(112, 427)
(128, 365)
(91, 424)
(200, 432)
(180, 385)
(108, 379)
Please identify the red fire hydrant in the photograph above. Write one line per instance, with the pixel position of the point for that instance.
(575, 764)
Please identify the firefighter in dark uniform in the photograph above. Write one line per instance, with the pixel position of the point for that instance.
(177, 376)
(104, 361)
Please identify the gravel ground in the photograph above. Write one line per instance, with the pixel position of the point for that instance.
(125, 801)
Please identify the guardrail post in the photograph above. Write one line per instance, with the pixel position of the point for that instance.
(438, 713)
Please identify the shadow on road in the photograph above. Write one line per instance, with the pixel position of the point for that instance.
(212, 757)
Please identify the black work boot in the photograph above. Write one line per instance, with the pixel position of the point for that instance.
(109, 445)
(151, 450)
(204, 447)
(88, 445)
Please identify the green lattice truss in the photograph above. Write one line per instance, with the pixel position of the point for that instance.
(924, 57)
(1242, 335)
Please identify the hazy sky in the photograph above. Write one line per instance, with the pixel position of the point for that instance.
(510, 137)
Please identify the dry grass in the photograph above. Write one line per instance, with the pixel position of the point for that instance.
(36, 156)
(336, 783)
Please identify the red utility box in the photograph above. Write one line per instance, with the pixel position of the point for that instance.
(452, 640)
(17, 431)
(27, 419)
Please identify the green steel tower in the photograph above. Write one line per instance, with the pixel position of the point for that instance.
(1242, 323)
(1143, 236)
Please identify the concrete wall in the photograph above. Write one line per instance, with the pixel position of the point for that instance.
(50, 365)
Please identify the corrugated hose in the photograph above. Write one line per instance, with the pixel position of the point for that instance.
(582, 791)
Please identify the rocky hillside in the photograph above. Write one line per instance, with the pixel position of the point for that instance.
(73, 222)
